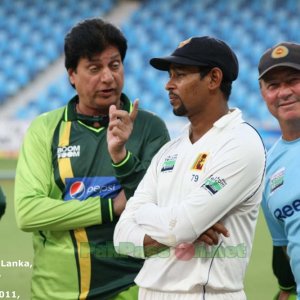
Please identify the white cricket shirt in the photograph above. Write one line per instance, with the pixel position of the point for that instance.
(187, 189)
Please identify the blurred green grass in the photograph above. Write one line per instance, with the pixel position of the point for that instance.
(15, 245)
(260, 283)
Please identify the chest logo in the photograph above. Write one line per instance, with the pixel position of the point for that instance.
(277, 180)
(68, 151)
(169, 163)
(200, 161)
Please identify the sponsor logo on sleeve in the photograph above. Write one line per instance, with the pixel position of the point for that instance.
(169, 163)
(85, 187)
(77, 189)
(200, 161)
(276, 180)
(214, 184)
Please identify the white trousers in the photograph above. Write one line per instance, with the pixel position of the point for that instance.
(147, 294)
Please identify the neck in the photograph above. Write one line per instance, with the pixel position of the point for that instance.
(94, 112)
(88, 112)
(200, 124)
(91, 120)
(290, 131)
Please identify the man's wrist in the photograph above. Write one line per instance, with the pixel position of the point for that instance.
(290, 289)
(284, 295)
(122, 161)
(118, 156)
(152, 247)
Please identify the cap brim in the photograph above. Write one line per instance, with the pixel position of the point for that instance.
(285, 64)
(164, 63)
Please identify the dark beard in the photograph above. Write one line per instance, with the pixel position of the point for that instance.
(180, 111)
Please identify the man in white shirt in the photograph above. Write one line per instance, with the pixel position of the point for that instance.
(213, 172)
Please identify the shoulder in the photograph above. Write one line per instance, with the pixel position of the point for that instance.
(249, 147)
(48, 119)
(248, 139)
(245, 131)
(43, 126)
(238, 141)
(233, 130)
(169, 147)
(150, 117)
(149, 123)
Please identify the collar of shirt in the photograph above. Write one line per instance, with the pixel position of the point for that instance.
(232, 116)
(70, 113)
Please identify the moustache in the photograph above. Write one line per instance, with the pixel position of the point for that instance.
(172, 95)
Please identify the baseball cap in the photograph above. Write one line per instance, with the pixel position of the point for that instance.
(285, 54)
(202, 51)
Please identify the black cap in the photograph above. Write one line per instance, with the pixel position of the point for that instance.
(202, 51)
(281, 55)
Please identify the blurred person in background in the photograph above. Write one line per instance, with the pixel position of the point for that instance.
(213, 172)
(77, 167)
(279, 79)
(2, 203)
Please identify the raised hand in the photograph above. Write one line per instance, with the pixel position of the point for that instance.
(119, 130)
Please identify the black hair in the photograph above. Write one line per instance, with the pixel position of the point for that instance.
(225, 86)
(90, 37)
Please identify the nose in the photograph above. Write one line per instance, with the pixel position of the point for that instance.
(170, 84)
(106, 75)
(284, 91)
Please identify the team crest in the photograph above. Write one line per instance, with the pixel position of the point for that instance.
(200, 161)
(169, 163)
(277, 180)
(279, 52)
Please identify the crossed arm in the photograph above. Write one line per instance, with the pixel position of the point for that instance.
(145, 223)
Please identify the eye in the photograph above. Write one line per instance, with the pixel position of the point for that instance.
(294, 80)
(176, 74)
(93, 68)
(180, 74)
(272, 85)
(115, 65)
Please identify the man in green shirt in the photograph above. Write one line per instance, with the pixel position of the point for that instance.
(78, 165)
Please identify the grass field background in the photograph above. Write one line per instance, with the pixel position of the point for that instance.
(15, 245)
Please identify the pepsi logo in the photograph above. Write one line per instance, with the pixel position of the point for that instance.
(77, 189)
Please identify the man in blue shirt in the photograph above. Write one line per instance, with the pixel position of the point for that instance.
(279, 78)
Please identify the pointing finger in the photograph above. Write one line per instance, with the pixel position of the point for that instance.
(134, 111)
(112, 115)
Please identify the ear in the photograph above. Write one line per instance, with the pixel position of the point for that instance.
(215, 78)
(262, 87)
(71, 75)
